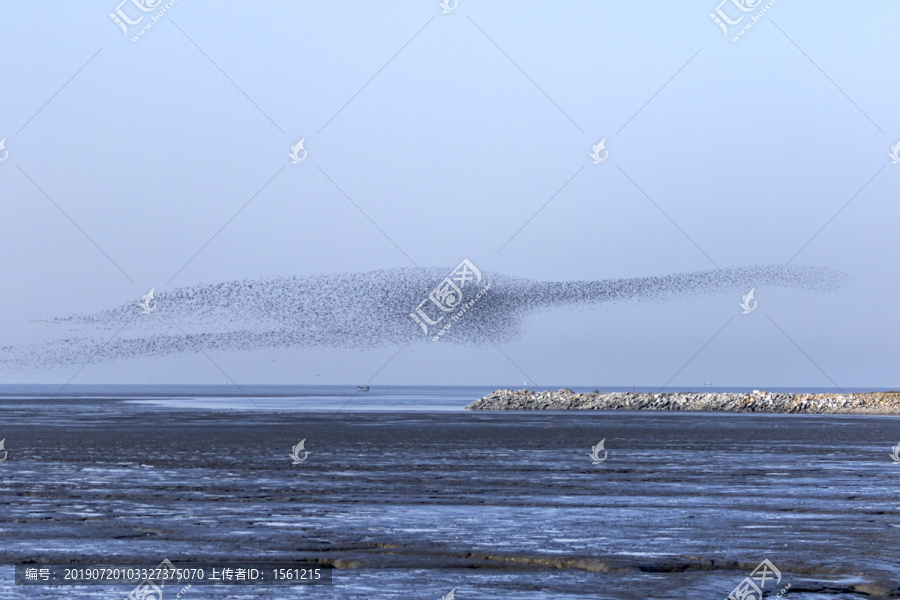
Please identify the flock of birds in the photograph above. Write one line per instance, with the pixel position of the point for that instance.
(361, 311)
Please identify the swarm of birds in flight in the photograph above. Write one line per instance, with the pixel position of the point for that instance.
(361, 311)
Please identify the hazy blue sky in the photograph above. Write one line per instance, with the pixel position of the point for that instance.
(451, 131)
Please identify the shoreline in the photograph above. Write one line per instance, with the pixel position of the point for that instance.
(867, 403)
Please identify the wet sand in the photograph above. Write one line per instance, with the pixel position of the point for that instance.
(498, 505)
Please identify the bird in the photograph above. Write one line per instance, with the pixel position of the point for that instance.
(368, 310)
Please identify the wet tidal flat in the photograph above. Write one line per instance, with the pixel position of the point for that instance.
(497, 505)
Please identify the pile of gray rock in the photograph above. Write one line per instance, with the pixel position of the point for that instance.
(882, 403)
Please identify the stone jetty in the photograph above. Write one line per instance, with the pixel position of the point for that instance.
(870, 403)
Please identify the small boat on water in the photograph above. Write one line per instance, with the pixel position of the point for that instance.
(362, 388)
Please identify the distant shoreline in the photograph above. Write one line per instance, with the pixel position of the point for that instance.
(868, 403)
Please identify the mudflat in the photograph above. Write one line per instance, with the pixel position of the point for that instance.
(494, 504)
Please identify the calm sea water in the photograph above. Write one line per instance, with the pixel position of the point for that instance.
(315, 398)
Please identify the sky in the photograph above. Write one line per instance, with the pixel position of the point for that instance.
(431, 137)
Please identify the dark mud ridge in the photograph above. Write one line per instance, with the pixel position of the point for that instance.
(871, 403)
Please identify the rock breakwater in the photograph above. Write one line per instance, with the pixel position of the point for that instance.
(872, 403)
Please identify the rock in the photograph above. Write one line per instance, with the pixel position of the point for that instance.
(886, 403)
